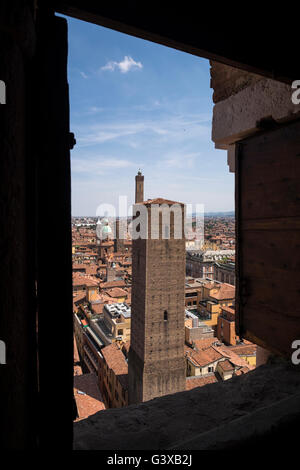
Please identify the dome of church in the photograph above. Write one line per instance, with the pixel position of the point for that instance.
(106, 230)
(104, 221)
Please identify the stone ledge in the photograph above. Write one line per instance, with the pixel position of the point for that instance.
(254, 426)
(239, 115)
(227, 81)
(165, 421)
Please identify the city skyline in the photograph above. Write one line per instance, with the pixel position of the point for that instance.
(129, 112)
(153, 313)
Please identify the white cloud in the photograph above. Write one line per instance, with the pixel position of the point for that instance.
(84, 75)
(97, 165)
(159, 130)
(94, 110)
(115, 163)
(180, 160)
(124, 65)
(93, 135)
(109, 66)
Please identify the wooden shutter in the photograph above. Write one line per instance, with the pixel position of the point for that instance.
(268, 238)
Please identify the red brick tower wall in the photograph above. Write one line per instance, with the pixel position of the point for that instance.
(156, 356)
(139, 188)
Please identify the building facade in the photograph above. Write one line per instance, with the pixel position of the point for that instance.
(226, 326)
(225, 272)
(209, 264)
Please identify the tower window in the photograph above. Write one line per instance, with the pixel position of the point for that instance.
(165, 315)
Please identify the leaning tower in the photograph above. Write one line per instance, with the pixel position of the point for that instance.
(156, 357)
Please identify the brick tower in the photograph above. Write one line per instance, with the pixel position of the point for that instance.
(139, 187)
(119, 239)
(156, 357)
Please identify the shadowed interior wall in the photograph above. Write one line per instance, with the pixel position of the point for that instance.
(17, 289)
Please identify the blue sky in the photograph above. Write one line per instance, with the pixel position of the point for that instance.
(136, 104)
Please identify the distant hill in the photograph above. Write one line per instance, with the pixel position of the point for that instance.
(219, 214)
(206, 214)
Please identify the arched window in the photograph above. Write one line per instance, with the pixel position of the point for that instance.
(165, 315)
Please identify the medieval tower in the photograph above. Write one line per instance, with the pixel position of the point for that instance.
(139, 187)
(156, 357)
(119, 238)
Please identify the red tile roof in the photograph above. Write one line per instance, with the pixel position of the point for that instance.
(243, 370)
(244, 349)
(160, 200)
(80, 279)
(116, 292)
(232, 356)
(115, 359)
(79, 266)
(226, 365)
(203, 358)
(92, 269)
(87, 395)
(225, 291)
(78, 298)
(97, 309)
(110, 284)
(193, 382)
(202, 344)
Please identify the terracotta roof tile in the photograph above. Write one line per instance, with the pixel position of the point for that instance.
(160, 200)
(87, 395)
(193, 382)
(203, 358)
(244, 349)
(110, 284)
(225, 291)
(115, 359)
(116, 292)
(97, 309)
(202, 344)
(232, 356)
(226, 365)
(80, 279)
